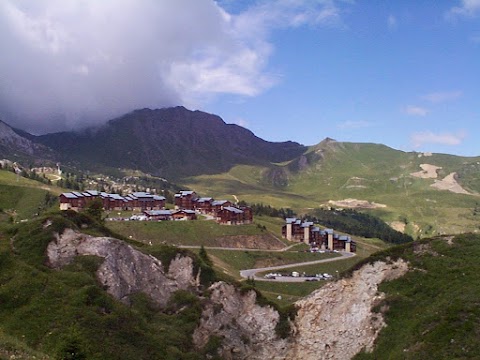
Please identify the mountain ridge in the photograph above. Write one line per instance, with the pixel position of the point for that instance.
(170, 142)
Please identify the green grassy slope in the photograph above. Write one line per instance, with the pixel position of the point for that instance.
(193, 233)
(337, 171)
(66, 313)
(22, 198)
(432, 312)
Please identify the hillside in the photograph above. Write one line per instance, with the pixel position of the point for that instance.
(421, 194)
(388, 183)
(172, 143)
(18, 145)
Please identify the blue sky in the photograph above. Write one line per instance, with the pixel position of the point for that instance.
(402, 73)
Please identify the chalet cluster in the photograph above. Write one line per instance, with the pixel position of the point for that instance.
(223, 211)
(324, 239)
(187, 206)
(137, 201)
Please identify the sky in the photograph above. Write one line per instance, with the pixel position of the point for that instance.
(402, 73)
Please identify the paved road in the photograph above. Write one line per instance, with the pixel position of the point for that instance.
(251, 273)
(235, 249)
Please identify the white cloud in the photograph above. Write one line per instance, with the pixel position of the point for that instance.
(467, 8)
(66, 64)
(354, 124)
(416, 110)
(392, 22)
(241, 122)
(439, 97)
(419, 139)
(475, 38)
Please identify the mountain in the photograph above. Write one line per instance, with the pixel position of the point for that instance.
(171, 142)
(421, 194)
(17, 145)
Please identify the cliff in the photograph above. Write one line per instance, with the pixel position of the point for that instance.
(124, 270)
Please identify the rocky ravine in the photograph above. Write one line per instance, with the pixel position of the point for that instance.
(334, 322)
(124, 271)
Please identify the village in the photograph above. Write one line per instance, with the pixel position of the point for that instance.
(188, 206)
(151, 207)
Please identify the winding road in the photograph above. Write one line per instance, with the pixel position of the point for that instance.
(252, 273)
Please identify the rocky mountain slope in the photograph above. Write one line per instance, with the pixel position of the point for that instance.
(16, 145)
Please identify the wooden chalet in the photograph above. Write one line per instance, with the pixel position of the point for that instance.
(137, 201)
(185, 200)
(326, 239)
(158, 215)
(230, 215)
(218, 205)
(204, 205)
(184, 214)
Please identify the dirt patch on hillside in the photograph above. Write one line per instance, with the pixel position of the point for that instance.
(356, 204)
(428, 171)
(264, 242)
(398, 226)
(450, 183)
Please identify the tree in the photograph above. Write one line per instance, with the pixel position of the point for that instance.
(204, 256)
(95, 209)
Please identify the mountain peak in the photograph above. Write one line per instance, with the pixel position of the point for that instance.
(172, 143)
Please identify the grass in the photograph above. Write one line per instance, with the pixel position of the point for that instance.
(62, 312)
(194, 233)
(362, 171)
(232, 262)
(432, 312)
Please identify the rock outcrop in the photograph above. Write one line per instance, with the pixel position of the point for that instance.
(334, 322)
(247, 329)
(337, 321)
(124, 270)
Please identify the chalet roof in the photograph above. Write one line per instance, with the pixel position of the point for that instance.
(204, 199)
(158, 212)
(307, 224)
(76, 193)
(186, 192)
(116, 196)
(345, 238)
(219, 202)
(69, 195)
(316, 229)
(86, 194)
(157, 197)
(233, 209)
(185, 211)
(93, 192)
(328, 231)
(290, 220)
(142, 194)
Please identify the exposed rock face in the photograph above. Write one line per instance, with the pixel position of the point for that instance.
(336, 321)
(124, 271)
(247, 328)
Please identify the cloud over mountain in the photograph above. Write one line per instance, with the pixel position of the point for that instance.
(67, 64)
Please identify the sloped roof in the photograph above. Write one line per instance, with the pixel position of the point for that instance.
(158, 212)
(233, 209)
